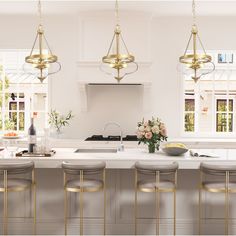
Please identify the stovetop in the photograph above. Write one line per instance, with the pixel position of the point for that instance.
(111, 138)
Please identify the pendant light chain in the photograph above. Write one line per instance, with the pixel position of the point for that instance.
(117, 13)
(194, 11)
(40, 12)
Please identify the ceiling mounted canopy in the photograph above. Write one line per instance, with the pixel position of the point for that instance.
(196, 64)
(118, 62)
(41, 62)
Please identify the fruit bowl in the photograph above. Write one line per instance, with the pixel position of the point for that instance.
(175, 149)
(11, 135)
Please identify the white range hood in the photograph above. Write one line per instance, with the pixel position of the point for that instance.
(89, 69)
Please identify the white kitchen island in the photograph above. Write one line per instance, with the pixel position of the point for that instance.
(120, 195)
(127, 159)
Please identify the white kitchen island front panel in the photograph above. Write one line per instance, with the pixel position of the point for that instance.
(120, 196)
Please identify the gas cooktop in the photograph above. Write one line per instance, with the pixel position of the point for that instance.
(111, 138)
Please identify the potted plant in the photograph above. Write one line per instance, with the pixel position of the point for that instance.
(58, 121)
(151, 132)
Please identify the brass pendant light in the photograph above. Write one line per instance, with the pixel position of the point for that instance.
(40, 63)
(118, 60)
(196, 64)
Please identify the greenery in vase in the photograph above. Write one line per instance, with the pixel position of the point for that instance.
(58, 121)
(151, 132)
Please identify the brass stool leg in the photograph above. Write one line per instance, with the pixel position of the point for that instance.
(226, 202)
(226, 212)
(5, 215)
(157, 211)
(199, 210)
(81, 203)
(176, 176)
(157, 195)
(135, 203)
(33, 189)
(174, 212)
(104, 189)
(65, 203)
(34, 193)
(65, 210)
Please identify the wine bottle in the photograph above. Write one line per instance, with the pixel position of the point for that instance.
(31, 137)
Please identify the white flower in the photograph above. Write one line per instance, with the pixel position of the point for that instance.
(139, 135)
(155, 129)
(148, 129)
(141, 128)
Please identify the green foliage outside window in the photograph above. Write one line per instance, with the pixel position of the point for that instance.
(9, 124)
(3, 85)
(223, 117)
(189, 115)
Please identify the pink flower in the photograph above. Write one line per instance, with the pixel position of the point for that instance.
(163, 132)
(148, 135)
(162, 126)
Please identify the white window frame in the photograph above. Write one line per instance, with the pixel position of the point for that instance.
(191, 112)
(222, 97)
(228, 67)
(28, 109)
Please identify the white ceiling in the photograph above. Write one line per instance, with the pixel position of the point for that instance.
(157, 7)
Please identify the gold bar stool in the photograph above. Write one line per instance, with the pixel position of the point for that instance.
(11, 180)
(80, 181)
(223, 184)
(156, 184)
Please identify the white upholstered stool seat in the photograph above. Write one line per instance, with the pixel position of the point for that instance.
(88, 185)
(218, 186)
(152, 186)
(16, 185)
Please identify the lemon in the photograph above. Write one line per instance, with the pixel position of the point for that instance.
(179, 145)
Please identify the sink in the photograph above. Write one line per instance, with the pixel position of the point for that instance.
(111, 138)
(96, 150)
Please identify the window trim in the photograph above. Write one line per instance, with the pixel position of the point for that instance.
(228, 67)
(17, 90)
(222, 97)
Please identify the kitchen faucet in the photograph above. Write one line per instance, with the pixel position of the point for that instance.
(120, 148)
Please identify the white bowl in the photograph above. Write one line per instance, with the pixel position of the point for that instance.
(174, 151)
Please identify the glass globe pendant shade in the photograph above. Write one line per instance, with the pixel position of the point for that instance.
(196, 71)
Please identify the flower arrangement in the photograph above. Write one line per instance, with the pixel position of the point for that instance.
(57, 121)
(151, 132)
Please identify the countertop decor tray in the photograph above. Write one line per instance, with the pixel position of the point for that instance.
(25, 153)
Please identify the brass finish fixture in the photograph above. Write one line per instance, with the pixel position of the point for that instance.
(196, 61)
(23, 185)
(157, 187)
(83, 171)
(224, 186)
(118, 60)
(41, 64)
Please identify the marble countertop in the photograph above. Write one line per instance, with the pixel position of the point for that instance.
(127, 159)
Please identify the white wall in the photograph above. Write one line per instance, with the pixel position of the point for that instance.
(163, 40)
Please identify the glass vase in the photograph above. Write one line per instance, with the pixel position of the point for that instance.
(151, 147)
